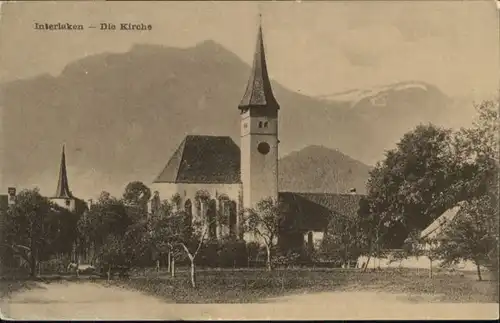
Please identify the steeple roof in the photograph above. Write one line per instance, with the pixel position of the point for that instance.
(259, 92)
(62, 184)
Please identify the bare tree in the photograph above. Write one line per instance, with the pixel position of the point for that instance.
(264, 222)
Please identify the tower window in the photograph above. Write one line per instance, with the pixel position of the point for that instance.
(260, 124)
(68, 202)
(266, 124)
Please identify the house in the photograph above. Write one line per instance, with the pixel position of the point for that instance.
(430, 235)
(435, 229)
(211, 174)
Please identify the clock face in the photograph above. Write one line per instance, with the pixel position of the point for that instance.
(263, 148)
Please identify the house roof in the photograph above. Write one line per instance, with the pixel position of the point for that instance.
(437, 226)
(316, 209)
(203, 159)
(258, 92)
(62, 190)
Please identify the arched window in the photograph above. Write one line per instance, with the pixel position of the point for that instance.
(188, 208)
(232, 218)
(260, 124)
(211, 217)
(266, 124)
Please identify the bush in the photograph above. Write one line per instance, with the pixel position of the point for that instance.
(54, 265)
(227, 253)
(233, 253)
(253, 250)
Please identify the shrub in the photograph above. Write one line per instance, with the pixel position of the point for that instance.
(232, 253)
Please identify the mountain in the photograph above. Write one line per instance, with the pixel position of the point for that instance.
(317, 169)
(122, 115)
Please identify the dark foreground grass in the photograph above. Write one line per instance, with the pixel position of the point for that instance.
(11, 285)
(251, 286)
(8, 287)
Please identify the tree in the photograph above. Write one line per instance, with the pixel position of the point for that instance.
(406, 190)
(175, 201)
(164, 234)
(470, 236)
(108, 216)
(477, 154)
(343, 239)
(192, 245)
(265, 222)
(373, 226)
(137, 242)
(113, 252)
(136, 197)
(202, 197)
(34, 228)
(416, 246)
(170, 234)
(137, 193)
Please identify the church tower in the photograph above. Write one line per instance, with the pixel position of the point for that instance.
(63, 196)
(259, 133)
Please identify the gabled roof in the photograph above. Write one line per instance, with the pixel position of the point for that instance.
(258, 92)
(203, 159)
(316, 209)
(437, 226)
(62, 190)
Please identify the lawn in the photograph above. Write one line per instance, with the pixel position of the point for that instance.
(7, 287)
(19, 283)
(253, 286)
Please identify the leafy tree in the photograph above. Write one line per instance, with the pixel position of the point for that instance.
(193, 244)
(417, 246)
(136, 197)
(477, 154)
(471, 234)
(175, 201)
(201, 198)
(113, 252)
(169, 234)
(137, 193)
(343, 239)
(266, 222)
(34, 228)
(137, 241)
(406, 190)
(373, 226)
(165, 231)
(108, 216)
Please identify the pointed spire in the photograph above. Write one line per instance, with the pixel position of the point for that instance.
(259, 92)
(62, 184)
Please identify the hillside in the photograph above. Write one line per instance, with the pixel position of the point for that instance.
(317, 169)
(122, 115)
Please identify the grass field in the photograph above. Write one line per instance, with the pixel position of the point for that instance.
(249, 286)
(257, 285)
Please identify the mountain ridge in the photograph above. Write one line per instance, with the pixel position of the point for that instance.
(138, 105)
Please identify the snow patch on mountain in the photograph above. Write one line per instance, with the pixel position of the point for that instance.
(377, 94)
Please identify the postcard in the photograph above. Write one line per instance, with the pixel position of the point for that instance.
(326, 160)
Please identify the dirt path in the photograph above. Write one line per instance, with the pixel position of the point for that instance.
(93, 302)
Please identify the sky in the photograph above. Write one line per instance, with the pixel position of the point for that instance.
(316, 48)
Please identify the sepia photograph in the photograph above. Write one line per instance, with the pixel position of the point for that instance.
(234, 160)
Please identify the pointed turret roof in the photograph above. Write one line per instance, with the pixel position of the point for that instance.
(62, 184)
(259, 92)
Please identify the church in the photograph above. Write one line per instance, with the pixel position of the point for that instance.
(211, 175)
